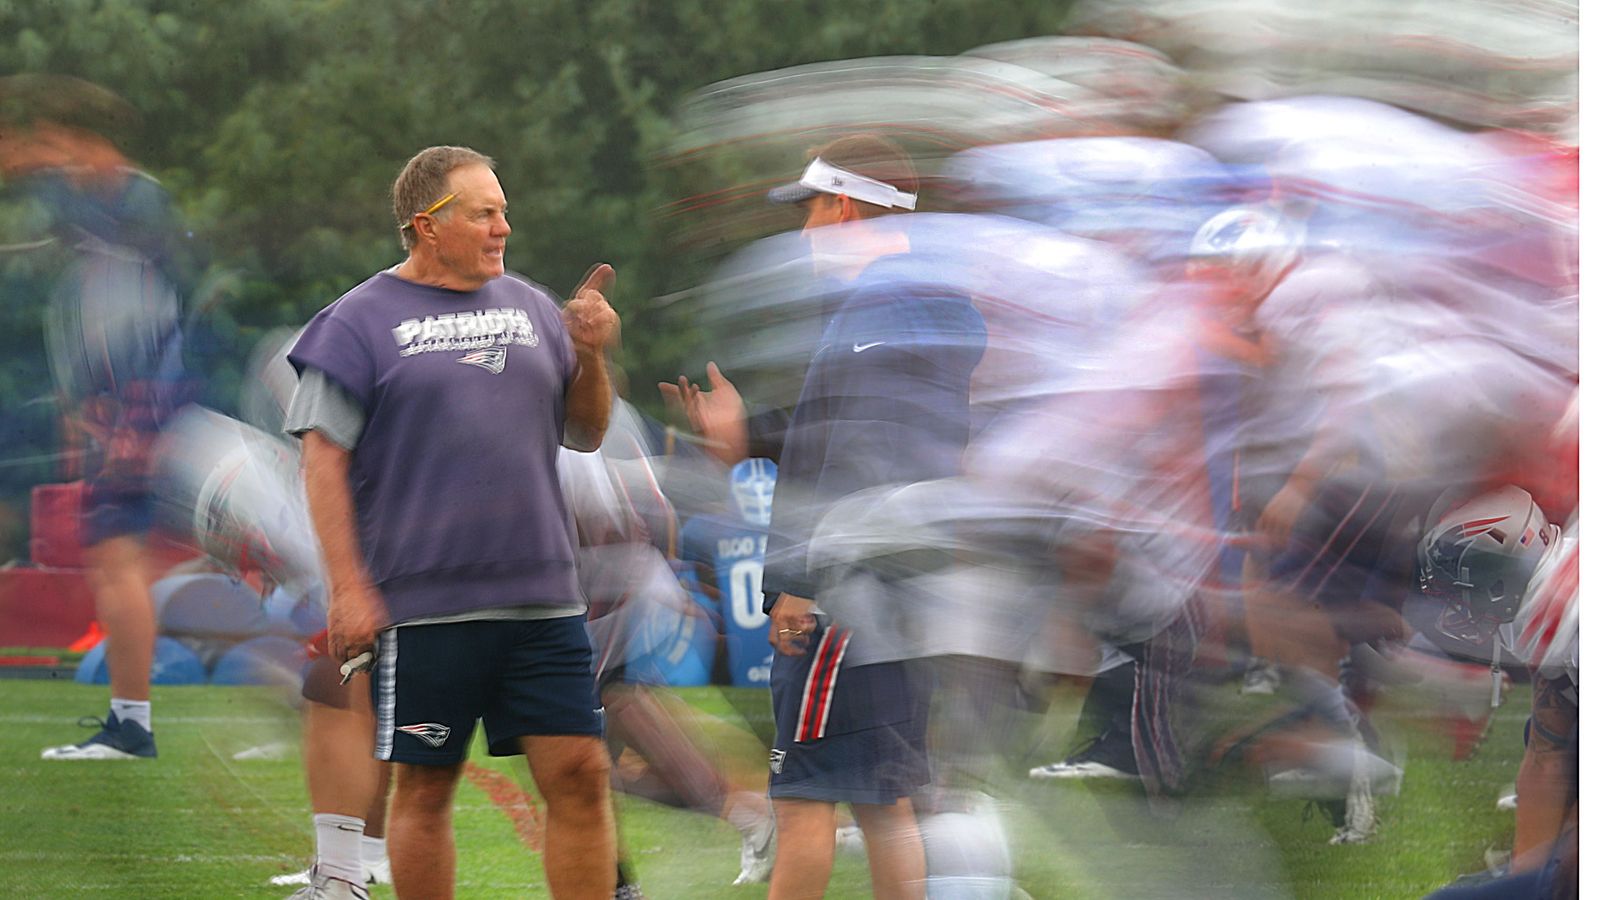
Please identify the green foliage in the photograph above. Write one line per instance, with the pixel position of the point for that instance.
(278, 126)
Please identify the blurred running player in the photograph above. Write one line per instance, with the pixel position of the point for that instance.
(116, 355)
(886, 400)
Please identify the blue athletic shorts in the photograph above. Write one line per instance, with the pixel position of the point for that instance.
(432, 683)
(847, 734)
(1353, 542)
(116, 507)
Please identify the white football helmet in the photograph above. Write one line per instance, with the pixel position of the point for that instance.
(1257, 245)
(1480, 557)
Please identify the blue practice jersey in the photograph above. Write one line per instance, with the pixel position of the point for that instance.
(734, 552)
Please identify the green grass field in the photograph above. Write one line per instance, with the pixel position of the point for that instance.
(197, 823)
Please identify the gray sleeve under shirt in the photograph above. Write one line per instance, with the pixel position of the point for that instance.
(320, 404)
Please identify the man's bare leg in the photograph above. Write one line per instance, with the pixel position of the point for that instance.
(422, 838)
(377, 816)
(894, 849)
(341, 774)
(573, 774)
(805, 849)
(347, 785)
(119, 576)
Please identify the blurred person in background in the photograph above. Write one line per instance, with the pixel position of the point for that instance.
(235, 488)
(1505, 574)
(432, 401)
(885, 400)
(640, 617)
(116, 355)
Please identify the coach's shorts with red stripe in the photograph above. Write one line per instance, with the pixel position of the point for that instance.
(847, 734)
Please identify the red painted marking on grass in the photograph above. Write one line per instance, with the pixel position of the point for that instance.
(526, 816)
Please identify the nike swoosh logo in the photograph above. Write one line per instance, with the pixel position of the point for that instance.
(860, 347)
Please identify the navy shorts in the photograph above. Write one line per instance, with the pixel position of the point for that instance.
(432, 683)
(116, 507)
(847, 734)
(1355, 540)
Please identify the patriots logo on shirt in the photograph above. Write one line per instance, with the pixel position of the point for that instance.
(491, 360)
(430, 733)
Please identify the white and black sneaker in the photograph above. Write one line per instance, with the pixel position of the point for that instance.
(1261, 678)
(116, 739)
(1100, 759)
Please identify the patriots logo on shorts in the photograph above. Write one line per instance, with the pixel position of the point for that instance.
(430, 733)
(490, 360)
(775, 761)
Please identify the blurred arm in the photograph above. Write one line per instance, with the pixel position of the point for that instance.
(1546, 781)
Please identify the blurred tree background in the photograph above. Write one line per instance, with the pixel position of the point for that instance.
(278, 125)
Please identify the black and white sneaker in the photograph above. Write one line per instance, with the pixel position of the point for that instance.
(1100, 759)
(1261, 678)
(115, 740)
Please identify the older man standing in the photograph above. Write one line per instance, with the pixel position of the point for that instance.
(432, 400)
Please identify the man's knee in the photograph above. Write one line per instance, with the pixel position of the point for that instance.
(425, 789)
(569, 770)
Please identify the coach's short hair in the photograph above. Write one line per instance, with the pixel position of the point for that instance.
(424, 180)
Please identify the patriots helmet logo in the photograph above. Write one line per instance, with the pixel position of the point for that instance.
(491, 360)
(430, 733)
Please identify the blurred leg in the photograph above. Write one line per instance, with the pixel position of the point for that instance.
(120, 579)
(894, 849)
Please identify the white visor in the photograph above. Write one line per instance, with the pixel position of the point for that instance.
(822, 178)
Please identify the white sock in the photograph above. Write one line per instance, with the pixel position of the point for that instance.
(374, 850)
(132, 711)
(339, 846)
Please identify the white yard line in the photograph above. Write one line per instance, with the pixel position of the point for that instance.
(104, 856)
(160, 719)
